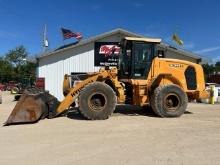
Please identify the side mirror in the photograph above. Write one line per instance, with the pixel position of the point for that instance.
(160, 53)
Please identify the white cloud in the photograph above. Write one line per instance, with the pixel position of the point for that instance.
(207, 50)
(216, 59)
(5, 34)
(96, 7)
(137, 5)
(188, 45)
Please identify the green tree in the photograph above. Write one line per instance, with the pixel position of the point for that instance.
(6, 70)
(16, 56)
(14, 67)
(217, 66)
(28, 70)
(208, 70)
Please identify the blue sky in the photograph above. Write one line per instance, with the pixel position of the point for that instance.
(196, 22)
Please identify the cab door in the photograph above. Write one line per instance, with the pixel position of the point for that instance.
(142, 57)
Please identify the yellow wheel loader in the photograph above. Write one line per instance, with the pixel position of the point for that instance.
(144, 77)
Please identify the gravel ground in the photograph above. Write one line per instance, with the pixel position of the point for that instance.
(131, 136)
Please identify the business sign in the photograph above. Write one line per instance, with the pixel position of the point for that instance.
(106, 53)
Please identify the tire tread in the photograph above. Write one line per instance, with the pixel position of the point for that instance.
(106, 114)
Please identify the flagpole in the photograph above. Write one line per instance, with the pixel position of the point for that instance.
(42, 39)
(45, 39)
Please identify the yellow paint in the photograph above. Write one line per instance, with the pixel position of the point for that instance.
(212, 98)
(175, 68)
(172, 69)
(101, 75)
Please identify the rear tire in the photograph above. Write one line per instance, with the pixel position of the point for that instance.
(169, 101)
(97, 101)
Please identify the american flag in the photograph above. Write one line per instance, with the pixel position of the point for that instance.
(69, 34)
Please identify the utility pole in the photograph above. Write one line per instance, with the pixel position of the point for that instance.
(45, 39)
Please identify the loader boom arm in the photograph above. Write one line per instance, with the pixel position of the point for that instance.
(166, 84)
(35, 104)
(73, 92)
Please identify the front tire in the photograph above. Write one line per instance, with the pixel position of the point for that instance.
(97, 101)
(169, 101)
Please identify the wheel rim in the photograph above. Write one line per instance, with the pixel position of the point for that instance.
(171, 102)
(97, 102)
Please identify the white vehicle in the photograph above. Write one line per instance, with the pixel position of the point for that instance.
(217, 87)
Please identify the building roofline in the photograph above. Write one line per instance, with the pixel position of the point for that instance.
(117, 31)
(181, 51)
(91, 39)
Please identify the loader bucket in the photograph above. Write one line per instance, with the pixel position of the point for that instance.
(32, 106)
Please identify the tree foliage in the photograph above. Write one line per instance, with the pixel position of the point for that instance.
(6, 70)
(13, 67)
(211, 69)
(208, 69)
(217, 66)
(16, 56)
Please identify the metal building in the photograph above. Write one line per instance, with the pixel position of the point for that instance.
(80, 58)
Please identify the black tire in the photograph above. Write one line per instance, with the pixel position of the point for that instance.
(17, 97)
(97, 101)
(169, 101)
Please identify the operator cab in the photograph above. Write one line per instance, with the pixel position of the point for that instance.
(136, 57)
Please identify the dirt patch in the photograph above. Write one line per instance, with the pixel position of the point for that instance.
(130, 136)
